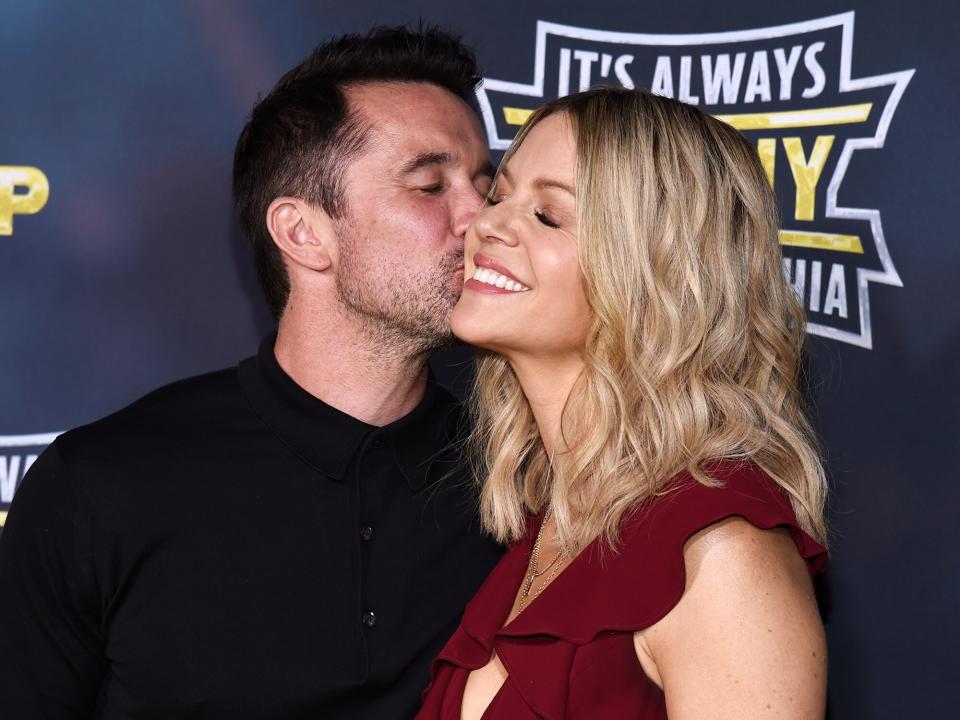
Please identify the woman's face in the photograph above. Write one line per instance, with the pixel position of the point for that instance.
(523, 293)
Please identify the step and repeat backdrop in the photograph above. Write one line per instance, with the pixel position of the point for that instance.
(122, 268)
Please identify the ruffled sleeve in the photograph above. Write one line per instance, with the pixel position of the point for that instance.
(633, 588)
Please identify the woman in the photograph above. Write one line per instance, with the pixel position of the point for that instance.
(639, 430)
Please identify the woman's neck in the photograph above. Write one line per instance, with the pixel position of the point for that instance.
(547, 384)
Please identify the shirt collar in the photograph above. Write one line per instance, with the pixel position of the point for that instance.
(326, 438)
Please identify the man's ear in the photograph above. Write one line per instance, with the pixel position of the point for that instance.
(303, 233)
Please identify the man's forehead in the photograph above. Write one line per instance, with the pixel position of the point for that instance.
(391, 95)
(413, 119)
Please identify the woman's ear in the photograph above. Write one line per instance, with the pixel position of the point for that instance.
(303, 233)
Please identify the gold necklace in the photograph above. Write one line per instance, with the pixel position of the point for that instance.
(534, 568)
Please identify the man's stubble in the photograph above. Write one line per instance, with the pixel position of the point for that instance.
(404, 313)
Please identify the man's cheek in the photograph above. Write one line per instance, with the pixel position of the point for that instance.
(431, 222)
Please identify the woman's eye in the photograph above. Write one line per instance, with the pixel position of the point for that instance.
(432, 189)
(545, 220)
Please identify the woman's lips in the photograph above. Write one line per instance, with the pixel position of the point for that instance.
(485, 261)
(490, 276)
(482, 287)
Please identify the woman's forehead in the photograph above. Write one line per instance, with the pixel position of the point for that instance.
(548, 151)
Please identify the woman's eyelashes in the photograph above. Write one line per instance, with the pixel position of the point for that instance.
(544, 218)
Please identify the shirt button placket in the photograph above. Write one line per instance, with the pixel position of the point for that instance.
(369, 618)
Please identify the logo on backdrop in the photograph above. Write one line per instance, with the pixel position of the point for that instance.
(17, 454)
(37, 188)
(788, 89)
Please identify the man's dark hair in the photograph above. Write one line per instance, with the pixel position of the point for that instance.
(301, 137)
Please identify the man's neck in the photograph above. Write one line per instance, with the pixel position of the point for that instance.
(337, 362)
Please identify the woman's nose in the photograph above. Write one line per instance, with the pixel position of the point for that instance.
(492, 225)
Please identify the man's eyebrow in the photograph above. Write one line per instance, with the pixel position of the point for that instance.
(541, 182)
(426, 159)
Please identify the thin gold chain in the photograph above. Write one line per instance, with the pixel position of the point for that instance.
(533, 571)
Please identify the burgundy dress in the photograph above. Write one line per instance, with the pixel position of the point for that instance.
(570, 653)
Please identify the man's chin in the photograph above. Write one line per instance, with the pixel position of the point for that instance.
(451, 341)
(443, 339)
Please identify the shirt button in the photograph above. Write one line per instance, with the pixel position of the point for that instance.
(366, 533)
(377, 442)
(369, 619)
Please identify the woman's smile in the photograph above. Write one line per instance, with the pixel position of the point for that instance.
(492, 276)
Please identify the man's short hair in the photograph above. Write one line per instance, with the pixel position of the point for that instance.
(301, 136)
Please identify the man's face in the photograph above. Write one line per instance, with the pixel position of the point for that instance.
(410, 195)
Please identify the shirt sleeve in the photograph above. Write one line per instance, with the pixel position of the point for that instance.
(52, 653)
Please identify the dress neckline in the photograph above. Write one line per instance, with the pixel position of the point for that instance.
(527, 551)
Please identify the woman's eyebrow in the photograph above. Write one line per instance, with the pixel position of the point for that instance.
(542, 182)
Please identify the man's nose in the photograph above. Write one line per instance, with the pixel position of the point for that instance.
(465, 207)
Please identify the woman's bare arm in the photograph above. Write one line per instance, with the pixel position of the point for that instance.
(745, 641)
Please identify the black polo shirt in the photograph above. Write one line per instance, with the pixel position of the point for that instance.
(230, 546)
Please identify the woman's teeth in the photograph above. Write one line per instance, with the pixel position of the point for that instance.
(488, 276)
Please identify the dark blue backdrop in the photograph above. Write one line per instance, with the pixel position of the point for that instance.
(132, 272)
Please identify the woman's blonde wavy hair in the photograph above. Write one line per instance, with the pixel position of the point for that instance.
(695, 348)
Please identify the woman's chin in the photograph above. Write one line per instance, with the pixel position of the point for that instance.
(467, 332)
(472, 329)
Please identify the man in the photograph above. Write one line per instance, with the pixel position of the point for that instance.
(295, 537)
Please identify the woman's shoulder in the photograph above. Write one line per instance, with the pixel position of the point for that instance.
(745, 609)
(741, 500)
(661, 527)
